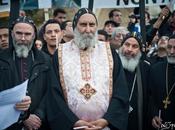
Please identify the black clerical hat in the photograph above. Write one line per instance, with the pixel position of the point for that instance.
(81, 12)
(135, 35)
(24, 19)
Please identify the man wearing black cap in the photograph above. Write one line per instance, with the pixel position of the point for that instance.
(21, 62)
(89, 90)
(136, 71)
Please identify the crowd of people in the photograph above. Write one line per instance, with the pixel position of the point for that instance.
(85, 78)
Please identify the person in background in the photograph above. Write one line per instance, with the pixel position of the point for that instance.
(52, 36)
(67, 30)
(132, 22)
(159, 52)
(117, 37)
(38, 44)
(59, 15)
(102, 35)
(116, 16)
(22, 13)
(109, 27)
(168, 27)
(4, 37)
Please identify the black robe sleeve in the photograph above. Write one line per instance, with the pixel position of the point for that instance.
(60, 117)
(117, 113)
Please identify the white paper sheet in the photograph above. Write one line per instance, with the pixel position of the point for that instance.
(8, 99)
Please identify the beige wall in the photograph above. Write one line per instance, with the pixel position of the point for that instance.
(102, 15)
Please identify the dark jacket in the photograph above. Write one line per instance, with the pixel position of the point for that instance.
(37, 85)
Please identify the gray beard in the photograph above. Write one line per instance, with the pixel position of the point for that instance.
(129, 64)
(85, 40)
(22, 50)
(171, 59)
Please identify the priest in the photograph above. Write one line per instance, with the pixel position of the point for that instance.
(136, 71)
(88, 88)
(162, 84)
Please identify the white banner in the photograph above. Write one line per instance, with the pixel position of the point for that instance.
(123, 3)
(44, 4)
(4, 5)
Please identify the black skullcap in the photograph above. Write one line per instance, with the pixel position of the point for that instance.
(134, 35)
(81, 12)
(24, 19)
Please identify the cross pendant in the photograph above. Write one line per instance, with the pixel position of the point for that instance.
(166, 102)
(87, 91)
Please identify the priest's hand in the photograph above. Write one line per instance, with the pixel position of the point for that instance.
(100, 123)
(94, 128)
(33, 122)
(81, 124)
(24, 104)
(156, 122)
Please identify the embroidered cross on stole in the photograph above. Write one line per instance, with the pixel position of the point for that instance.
(87, 91)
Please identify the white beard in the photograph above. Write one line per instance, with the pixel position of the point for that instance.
(129, 64)
(85, 40)
(21, 49)
(171, 59)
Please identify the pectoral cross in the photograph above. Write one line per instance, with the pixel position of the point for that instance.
(87, 91)
(166, 102)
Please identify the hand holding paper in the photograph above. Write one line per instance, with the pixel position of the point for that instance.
(24, 104)
(8, 99)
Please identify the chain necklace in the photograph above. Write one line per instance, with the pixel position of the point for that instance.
(166, 101)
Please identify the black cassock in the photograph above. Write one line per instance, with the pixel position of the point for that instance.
(13, 71)
(62, 118)
(133, 119)
(159, 93)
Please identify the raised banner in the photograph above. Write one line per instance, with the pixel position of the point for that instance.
(35, 4)
(124, 3)
(40, 4)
